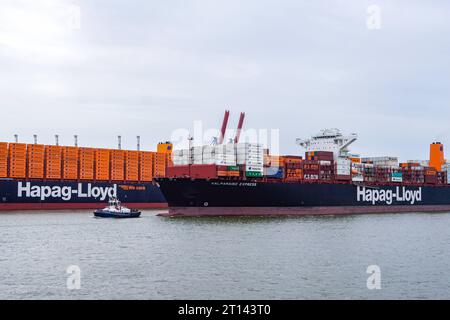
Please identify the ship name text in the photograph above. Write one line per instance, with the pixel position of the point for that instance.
(388, 196)
(65, 192)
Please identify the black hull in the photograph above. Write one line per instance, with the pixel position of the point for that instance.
(105, 214)
(220, 197)
(40, 194)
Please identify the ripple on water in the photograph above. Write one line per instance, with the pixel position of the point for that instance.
(224, 258)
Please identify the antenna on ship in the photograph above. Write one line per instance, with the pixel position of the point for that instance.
(138, 138)
(119, 142)
(190, 139)
(35, 138)
(56, 139)
(16, 138)
(75, 140)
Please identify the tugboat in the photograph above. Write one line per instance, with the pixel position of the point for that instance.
(116, 210)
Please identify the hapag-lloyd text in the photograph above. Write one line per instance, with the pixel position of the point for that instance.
(65, 192)
(388, 196)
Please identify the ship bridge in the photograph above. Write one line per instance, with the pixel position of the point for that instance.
(329, 140)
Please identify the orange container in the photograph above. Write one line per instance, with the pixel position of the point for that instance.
(169, 160)
(274, 161)
(53, 162)
(146, 160)
(36, 156)
(233, 173)
(160, 164)
(102, 164)
(292, 159)
(3, 148)
(132, 166)
(117, 164)
(70, 163)
(3, 160)
(86, 163)
(17, 160)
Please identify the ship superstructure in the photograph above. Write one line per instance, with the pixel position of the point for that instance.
(331, 140)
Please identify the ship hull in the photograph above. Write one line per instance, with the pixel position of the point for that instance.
(59, 195)
(187, 197)
(297, 211)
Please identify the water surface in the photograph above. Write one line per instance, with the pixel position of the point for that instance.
(224, 258)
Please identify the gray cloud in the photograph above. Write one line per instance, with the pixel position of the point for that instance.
(149, 67)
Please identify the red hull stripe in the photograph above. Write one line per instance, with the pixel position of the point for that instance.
(298, 211)
(62, 206)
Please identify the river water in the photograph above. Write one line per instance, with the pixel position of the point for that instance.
(224, 258)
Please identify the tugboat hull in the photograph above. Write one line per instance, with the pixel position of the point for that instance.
(107, 214)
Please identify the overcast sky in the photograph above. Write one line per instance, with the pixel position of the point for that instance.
(149, 67)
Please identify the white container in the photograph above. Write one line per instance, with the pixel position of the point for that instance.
(254, 168)
(311, 177)
(209, 161)
(177, 152)
(254, 163)
(224, 163)
(343, 171)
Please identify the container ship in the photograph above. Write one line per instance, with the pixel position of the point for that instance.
(37, 176)
(245, 179)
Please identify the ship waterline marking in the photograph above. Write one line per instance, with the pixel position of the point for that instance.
(388, 196)
(65, 192)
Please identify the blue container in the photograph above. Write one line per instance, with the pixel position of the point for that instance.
(277, 173)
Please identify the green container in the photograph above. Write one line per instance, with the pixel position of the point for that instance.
(233, 168)
(253, 174)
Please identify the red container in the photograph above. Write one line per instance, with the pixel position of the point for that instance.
(430, 179)
(343, 177)
(292, 159)
(294, 165)
(177, 171)
(319, 155)
(203, 171)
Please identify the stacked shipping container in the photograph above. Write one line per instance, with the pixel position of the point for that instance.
(294, 168)
(102, 164)
(87, 163)
(223, 155)
(160, 163)
(3, 160)
(146, 160)
(117, 164)
(343, 169)
(252, 156)
(70, 163)
(132, 166)
(17, 160)
(53, 163)
(36, 160)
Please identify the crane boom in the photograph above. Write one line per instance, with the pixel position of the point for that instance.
(224, 126)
